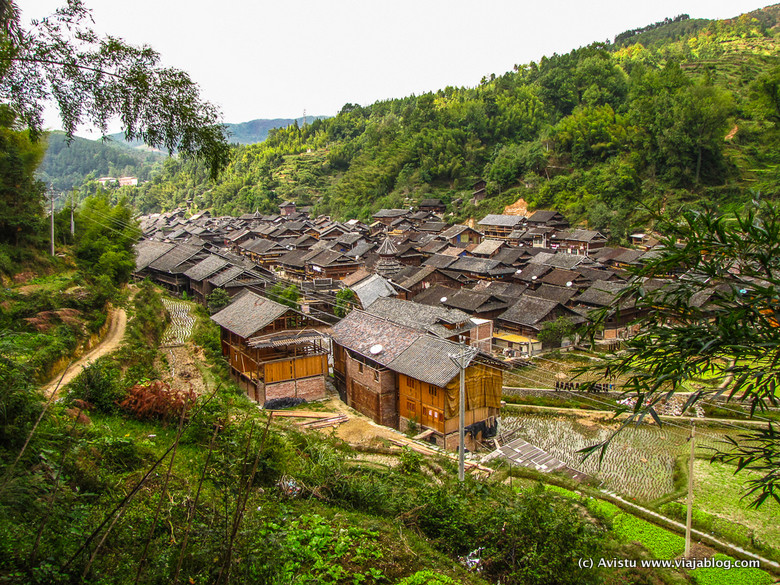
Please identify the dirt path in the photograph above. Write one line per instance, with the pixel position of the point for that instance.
(113, 338)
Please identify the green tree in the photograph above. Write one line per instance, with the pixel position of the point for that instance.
(218, 300)
(554, 332)
(720, 319)
(21, 195)
(284, 295)
(105, 236)
(346, 300)
(94, 79)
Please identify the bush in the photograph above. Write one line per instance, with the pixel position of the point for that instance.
(98, 384)
(157, 400)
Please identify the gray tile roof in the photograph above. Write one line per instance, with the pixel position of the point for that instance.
(370, 289)
(439, 261)
(249, 313)
(601, 293)
(360, 331)
(172, 260)
(206, 267)
(147, 251)
(427, 359)
(422, 317)
(553, 293)
(487, 247)
(501, 220)
(226, 276)
(528, 311)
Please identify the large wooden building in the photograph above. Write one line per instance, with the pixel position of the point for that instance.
(270, 351)
(400, 376)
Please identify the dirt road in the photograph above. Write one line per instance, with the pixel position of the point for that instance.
(113, 338)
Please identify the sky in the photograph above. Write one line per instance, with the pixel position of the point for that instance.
(277, 59)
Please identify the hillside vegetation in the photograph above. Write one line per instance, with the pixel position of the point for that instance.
(689, 117)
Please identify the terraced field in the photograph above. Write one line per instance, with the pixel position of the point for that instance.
(181, 324)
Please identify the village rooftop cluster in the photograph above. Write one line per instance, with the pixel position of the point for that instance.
(423, 289)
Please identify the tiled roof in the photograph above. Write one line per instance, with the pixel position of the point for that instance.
(226, 276)
(427, 359)
(371, 289)
(360, 331)
(487, 247)
(528, 311)
(417, 316)
(501, 220)
(248, 314)
(390, 213)
(206, 268)
(172, 260)
(601, 293)
(439, 261)
(553, 293)
(147, 251)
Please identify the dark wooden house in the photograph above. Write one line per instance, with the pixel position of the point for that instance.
(270, 352)
(398, 375)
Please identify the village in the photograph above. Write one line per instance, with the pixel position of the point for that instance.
(422, 292)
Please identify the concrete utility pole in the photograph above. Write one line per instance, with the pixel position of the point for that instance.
(72, 224)
(462, 360)
(689, 518)
(51, 215)
(462, 415)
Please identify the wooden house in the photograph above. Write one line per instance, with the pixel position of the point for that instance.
(388, 216)
(270, 353)
(528, 315)
(461, 235)
(582, 242)
(432, 205)
(168, 270)
(398, 375)
(549, 218)
(199, 275)
(500, 226)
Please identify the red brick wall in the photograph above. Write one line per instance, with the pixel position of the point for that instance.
(307, 388)
(379, 400)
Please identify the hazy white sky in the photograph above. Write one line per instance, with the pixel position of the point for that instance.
(273, 59)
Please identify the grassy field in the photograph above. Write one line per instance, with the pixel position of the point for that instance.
(718, 491)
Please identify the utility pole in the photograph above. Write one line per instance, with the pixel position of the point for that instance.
(72, 224)
(462, 360)
(462, 415)
(689, 518)
(51, 215)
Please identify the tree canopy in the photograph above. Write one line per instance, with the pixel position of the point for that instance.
(94, 79)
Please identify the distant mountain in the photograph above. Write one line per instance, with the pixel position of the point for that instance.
(244, 132)
(257, 130)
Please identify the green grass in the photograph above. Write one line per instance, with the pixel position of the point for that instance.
(659, 542)
(718, 491)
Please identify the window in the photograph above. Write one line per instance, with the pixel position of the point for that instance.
(376, 375)
(434, 392)
(360, 367)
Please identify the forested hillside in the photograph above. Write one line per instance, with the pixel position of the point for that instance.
(687, 118)
(69, 165)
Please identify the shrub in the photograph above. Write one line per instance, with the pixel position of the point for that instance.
(410, 462)
(157, 400)
(98, 384)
